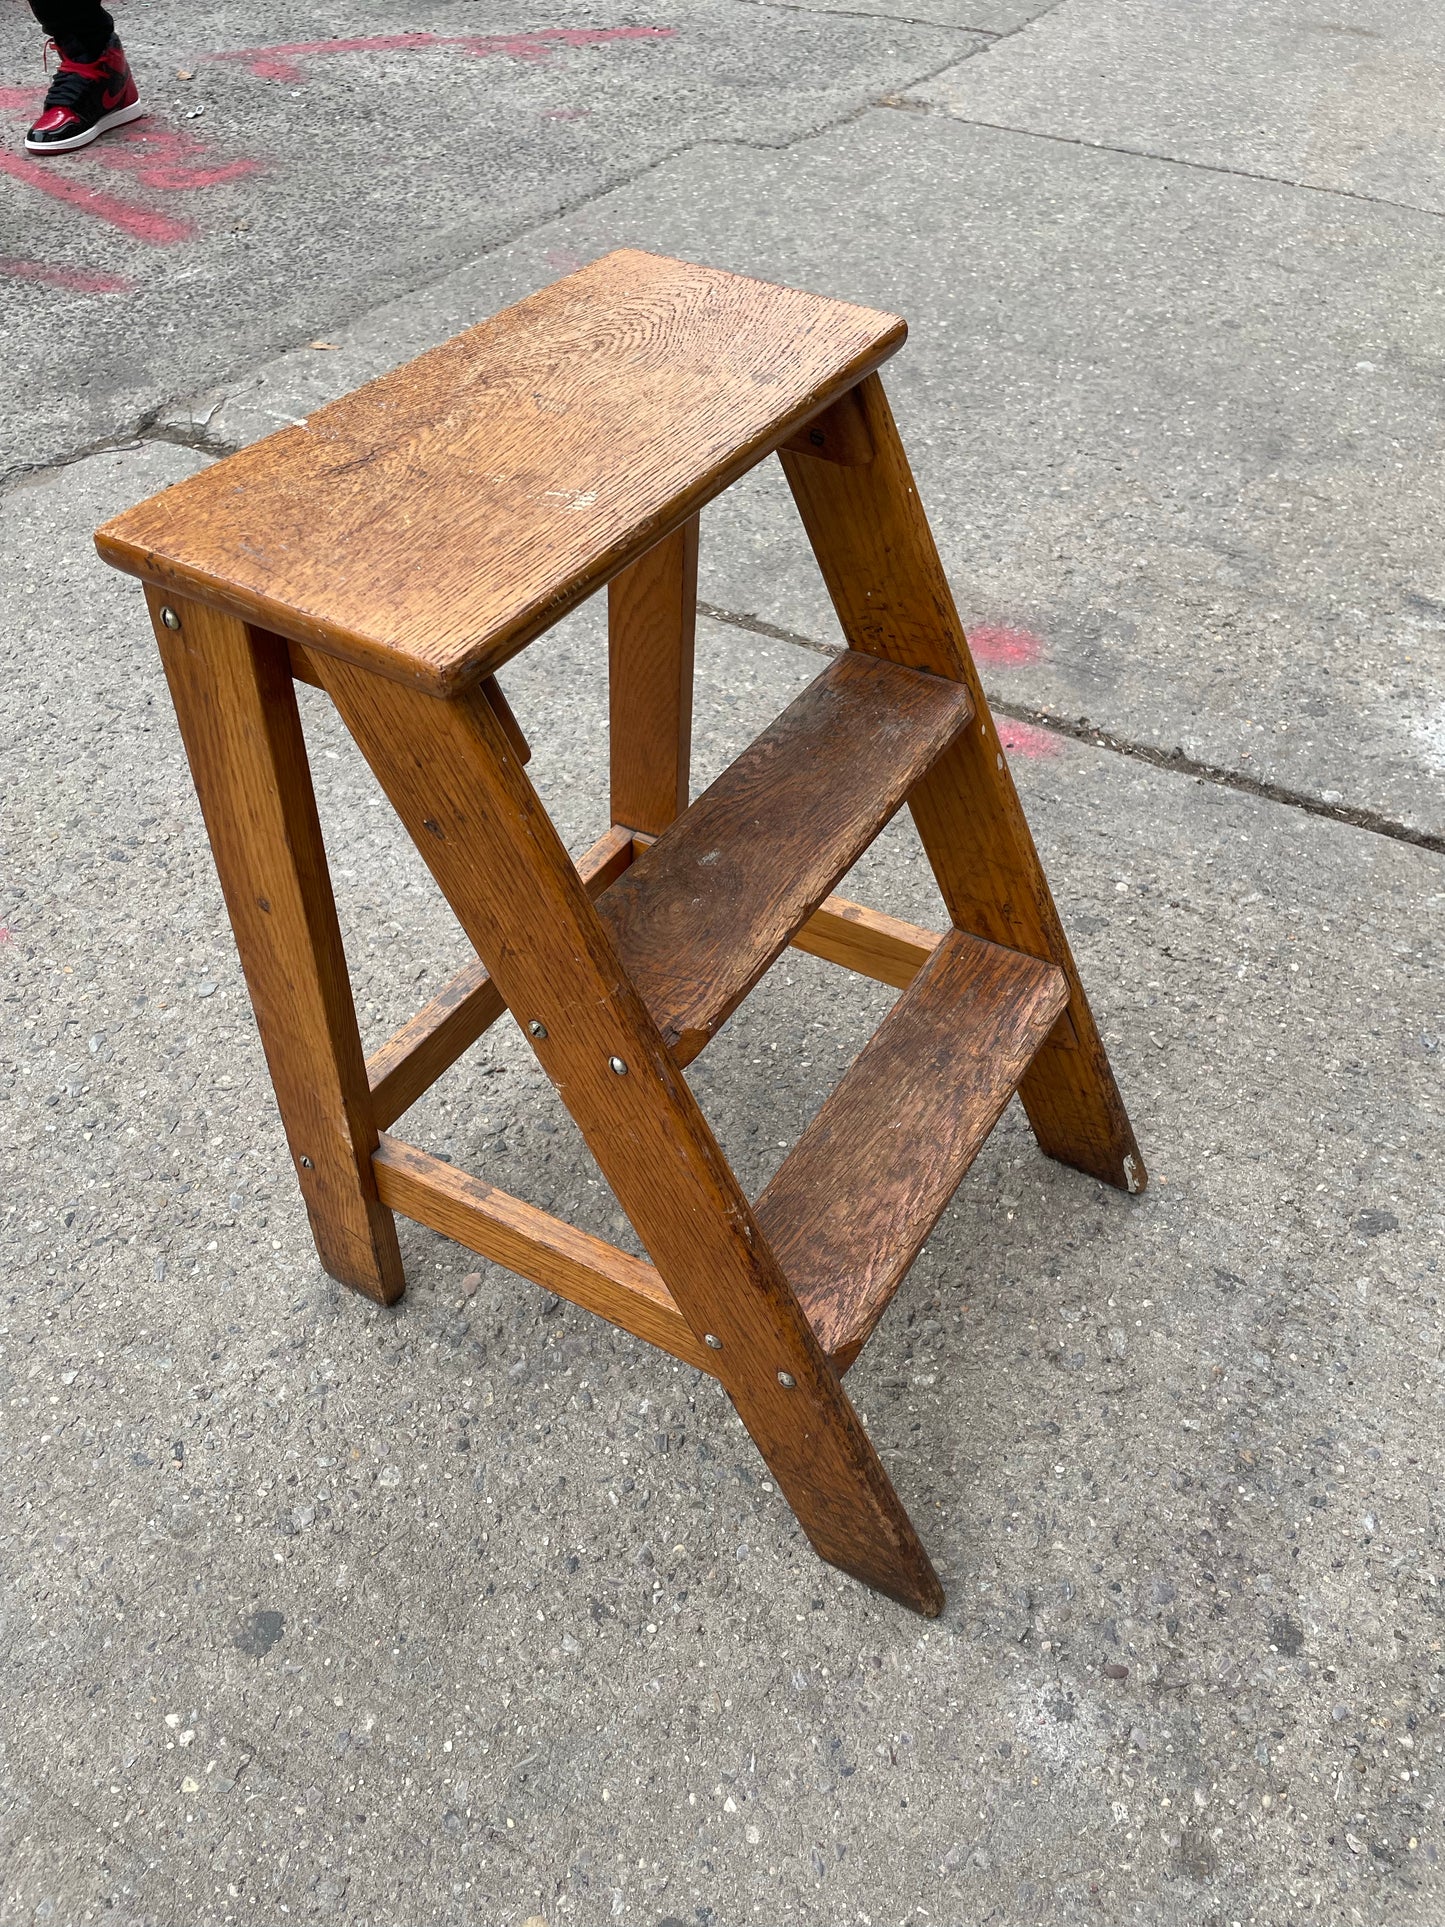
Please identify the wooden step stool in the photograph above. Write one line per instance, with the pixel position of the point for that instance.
(396, 549)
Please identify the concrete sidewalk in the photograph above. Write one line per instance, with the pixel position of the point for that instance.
(478, 1611)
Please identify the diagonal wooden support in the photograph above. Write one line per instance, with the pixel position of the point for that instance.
(457, 785)
(878, 558)
(236, 705)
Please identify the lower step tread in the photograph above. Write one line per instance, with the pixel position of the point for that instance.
(850, 1207)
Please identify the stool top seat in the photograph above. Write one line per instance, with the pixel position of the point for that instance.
(435, 521)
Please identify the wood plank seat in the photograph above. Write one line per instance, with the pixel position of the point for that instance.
(436, 520)
(395, 550)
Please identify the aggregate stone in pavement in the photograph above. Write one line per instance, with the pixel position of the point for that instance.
(479, 1611)
(1348, 97)
(1177, 432)
(303, 162)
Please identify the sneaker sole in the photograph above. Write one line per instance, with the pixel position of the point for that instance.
(102, 126)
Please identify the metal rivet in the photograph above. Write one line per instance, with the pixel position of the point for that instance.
(307, 1165)
(786, 1380)
(617, 1064)
(713, 1342)
(537, 1028)
(170, 618)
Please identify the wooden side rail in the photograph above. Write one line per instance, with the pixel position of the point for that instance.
(411, 1060)
(590, 1272)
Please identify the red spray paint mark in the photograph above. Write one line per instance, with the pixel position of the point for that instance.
(1023, 739)
(283, 61)
(563, 260)
(20, 99)
(74, 280)
(6, 936)
(161, 230)
(164, 158)
(1003, 648)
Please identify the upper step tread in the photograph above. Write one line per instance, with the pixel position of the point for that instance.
(851, 1205)
(431, 523)
(702, 913)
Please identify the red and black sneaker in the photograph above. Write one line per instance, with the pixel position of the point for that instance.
(85, 98)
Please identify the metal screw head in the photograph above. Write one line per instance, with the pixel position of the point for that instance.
(537, 1028)
(618, 1065)
(787, 1381)
(713, 1342)
(170, 618)
(307, 1165)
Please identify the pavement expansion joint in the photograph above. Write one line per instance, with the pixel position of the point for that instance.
(894, 100)
(1098, 737)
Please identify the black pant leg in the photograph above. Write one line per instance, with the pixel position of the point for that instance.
(80, 28)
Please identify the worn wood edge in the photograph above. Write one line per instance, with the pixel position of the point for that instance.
(510, 1232)
(467, 1005)
(367, 652)
(868, 942)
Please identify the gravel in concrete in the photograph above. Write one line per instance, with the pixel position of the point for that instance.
(295, 178)
(1348, 97)
(479, 1611)
(1177, 432)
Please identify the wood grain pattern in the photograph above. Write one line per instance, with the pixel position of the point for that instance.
(468, 1004)
(874, 945)
(848, 1210)
(586, 1270)
(236, 705)
(839, 434)
(455, 781)
(651, 629)
(701, 914)
(878, 558)
(438, 519)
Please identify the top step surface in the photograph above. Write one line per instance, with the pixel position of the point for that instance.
(433, 522)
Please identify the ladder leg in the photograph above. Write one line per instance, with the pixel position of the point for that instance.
(877, 554)
(236, 705)
(651, 623)
(457, 785)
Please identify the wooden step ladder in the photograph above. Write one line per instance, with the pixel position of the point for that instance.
(396, 550)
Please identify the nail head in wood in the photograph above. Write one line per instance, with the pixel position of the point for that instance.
(712, 1341)
(307, 1165)
(617, 1064)
(537, 1028)
(170, 618)
(787, 1381)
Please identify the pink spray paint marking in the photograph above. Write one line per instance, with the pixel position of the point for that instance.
(20, 100)
(284, 61)
(1003, 648)
(142, 223)
(164, 158)
(1023, 739)
(73, 280)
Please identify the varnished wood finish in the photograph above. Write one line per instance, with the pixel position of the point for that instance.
(848, 1210)
(625, 1290)
(839, 434)
(878, 558)
(454, 780)
(236, 706)
(436, 520)
(651, 625)
(701, 914)
(502, 710)
(884, 948)
(428, 1044)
